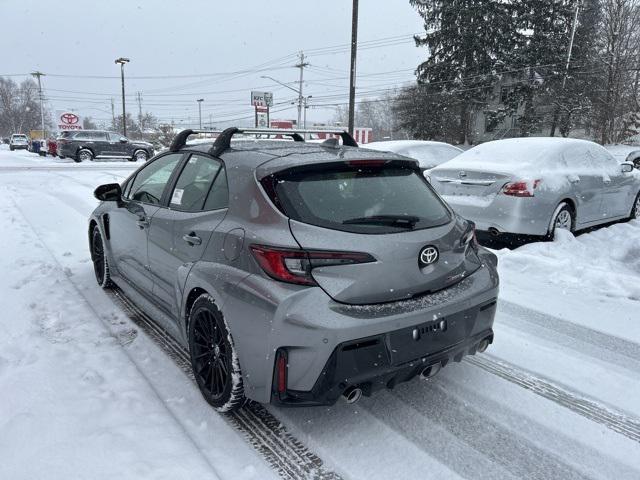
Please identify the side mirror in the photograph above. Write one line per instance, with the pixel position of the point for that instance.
(627, 167)
(110, 192)
(123, 140)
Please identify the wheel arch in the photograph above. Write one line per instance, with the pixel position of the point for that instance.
(191, 297)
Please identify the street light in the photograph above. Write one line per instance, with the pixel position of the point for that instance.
(122, 61)
(200, 100)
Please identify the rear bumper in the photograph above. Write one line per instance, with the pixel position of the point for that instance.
(267, 317)
(66, 150)
(19, 147)
(505, 214)
(368, 364)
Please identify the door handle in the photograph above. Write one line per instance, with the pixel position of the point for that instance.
(142, 222)
(192, 239)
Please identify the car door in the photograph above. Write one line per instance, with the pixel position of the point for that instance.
(100, 143)
(585, 182)
(117, 147)
(179, 234)
(129, 224)
(617, 186)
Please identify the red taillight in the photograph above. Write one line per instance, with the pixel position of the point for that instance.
(281, 372)
(521, 188)
(469, 236)
(294, 266)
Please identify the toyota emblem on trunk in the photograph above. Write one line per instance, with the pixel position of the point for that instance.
(428, 255)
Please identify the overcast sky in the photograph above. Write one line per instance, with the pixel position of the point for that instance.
(205, 42)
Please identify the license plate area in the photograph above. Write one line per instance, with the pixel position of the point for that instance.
(418, 341)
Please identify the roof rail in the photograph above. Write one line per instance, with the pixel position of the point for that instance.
(223, 142)
(180, 139)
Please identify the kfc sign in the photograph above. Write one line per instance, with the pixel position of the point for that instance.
(68, 121)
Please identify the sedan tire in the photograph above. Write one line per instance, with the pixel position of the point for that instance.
(213, 357)
(635, 209)
(563, 218)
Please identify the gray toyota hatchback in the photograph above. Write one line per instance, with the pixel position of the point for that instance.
(295, 273)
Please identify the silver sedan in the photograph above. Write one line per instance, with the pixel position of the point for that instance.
(532, 186)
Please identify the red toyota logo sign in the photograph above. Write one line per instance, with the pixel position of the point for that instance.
(69, 118)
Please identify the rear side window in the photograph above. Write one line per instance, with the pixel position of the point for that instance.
(372, 200)
(194, 183)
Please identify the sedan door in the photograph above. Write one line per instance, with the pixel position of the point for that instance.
(129, 224)
(586, 184)
(617, 186)
(180, 233)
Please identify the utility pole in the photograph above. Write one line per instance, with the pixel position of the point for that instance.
(301, 66)
(556, 113)
(200, 100)
(113, 114)
(139, 98)
(38, 75)
(122, 61)
(352, 75)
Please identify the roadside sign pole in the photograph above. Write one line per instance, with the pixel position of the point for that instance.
(38, 75)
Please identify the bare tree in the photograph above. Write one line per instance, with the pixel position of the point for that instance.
(19, 106)
(620, 43)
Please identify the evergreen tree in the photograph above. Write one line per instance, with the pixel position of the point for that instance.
(466, 40)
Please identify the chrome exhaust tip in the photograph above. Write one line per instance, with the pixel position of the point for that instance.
(483, 345)
(430, 371)
(494, 232)
(352, 394)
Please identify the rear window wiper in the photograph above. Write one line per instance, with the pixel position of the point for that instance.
(401, 221)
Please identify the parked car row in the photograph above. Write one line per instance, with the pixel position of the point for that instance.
(83, 145)
(533, 186)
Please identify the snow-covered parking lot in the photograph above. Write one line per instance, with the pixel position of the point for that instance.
(86, 393)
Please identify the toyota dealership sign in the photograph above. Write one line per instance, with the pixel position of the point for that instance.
(68, 121)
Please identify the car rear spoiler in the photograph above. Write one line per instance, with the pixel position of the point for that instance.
(223, 140)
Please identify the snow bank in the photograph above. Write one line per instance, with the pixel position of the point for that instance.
(601, 264)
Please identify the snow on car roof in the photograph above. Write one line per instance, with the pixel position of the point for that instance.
(513, 153)
(396, 145)
(428, 153)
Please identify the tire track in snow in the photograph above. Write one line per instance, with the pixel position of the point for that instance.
(468, 429)
(619, 422)
(264, 432)
(609, 348)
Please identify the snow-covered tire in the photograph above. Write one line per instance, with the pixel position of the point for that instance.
(139, 155)
(563, 217)
(84, 154)
(213, 356)
(635, 209)
(99, 259)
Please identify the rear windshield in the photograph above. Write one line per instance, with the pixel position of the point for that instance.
(375, 201)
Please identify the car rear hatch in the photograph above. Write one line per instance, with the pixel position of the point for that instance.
(384, 210)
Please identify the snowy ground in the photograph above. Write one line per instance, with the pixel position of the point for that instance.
(86, 394)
